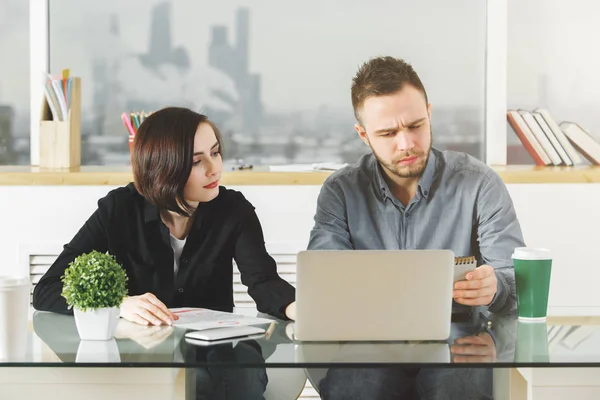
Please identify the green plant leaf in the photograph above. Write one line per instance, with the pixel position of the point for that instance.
(94, 280)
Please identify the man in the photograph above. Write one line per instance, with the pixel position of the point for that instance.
(409, 195)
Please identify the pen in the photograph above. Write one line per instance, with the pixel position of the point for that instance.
(242, 167)
(127, 123)
(270, 330)
(65, 75)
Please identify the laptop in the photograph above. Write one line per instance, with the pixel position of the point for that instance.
(437, 352)
(373, 295)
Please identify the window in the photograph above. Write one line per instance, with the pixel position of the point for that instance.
(14, 82)
(551, 64)
(275, 76)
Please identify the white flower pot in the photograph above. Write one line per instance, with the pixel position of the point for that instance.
(98, 324)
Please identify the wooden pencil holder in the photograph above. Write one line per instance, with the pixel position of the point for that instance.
(60, 141)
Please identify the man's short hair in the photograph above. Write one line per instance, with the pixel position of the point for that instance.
(381, 76)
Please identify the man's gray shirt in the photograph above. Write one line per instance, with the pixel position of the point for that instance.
(461, 204)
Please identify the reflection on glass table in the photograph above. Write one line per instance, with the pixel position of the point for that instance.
(506, 342)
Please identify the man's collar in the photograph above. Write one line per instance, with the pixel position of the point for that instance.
(425, 182)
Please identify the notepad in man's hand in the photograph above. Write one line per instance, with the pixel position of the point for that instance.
(463, 265)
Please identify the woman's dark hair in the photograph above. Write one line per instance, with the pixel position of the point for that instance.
(162, 156)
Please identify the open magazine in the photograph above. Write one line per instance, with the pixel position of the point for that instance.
(202, 318)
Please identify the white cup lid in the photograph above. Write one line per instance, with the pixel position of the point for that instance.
(531, 253)
(11, 281)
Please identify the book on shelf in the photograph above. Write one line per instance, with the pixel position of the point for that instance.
(541, 137)
(552, 143)
(564, 157)
(528, 139)
(583, 141)
(560, 135)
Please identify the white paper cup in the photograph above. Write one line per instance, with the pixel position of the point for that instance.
(531, 253)
(14, 314)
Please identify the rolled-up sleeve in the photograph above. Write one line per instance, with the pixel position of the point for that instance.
(498, 233)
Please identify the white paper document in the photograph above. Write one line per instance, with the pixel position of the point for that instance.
(202, 318)
(325, 166)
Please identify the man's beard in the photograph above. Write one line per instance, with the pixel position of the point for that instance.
(414, 170)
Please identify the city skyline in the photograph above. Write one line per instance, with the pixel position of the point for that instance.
(231, 92)
(295, 44)
(289, 61)
(219, 72)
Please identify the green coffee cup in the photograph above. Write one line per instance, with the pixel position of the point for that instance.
(532, 342)
(532, 277)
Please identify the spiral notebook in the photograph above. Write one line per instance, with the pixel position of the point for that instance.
(462, 265)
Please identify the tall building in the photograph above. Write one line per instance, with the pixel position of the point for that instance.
(242, 38)
(7, 154)
(160, 46)
(102, 118)
(233, 60)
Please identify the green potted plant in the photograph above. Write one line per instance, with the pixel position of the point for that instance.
(94, 285)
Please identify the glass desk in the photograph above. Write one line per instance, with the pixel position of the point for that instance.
(540, 360)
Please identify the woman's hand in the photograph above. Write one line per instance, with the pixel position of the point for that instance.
(290, 311)
(146, 309)
(147, 336)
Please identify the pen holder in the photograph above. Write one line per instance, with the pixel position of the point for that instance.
(60, 141)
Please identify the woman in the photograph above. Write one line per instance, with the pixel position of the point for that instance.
(175, 230)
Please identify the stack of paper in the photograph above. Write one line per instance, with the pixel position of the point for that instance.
(326, 166)
(202, 318)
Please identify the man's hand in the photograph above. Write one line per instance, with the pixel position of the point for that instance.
(478, 289)
(474, 349)
(146, 310)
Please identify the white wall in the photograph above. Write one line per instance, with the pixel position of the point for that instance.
(550, 62)
(561, 217)
(53, 214)
(565, 218)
